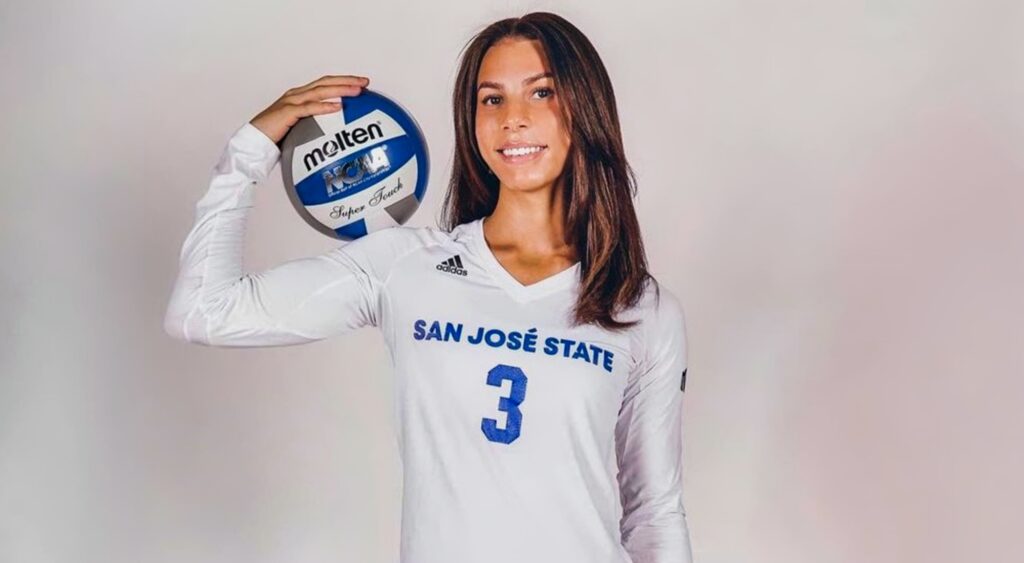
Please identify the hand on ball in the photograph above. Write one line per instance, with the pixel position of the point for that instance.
(304, 101)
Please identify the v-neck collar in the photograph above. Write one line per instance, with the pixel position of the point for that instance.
(518, 291)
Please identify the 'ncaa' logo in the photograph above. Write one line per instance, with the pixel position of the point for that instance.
(342, 177)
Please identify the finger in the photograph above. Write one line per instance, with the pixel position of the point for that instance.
(319, 93)
(333, 80)
(315, 108)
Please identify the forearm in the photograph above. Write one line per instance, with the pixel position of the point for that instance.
(210, 262)
(658, 535)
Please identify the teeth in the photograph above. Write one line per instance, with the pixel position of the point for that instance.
(521, 151)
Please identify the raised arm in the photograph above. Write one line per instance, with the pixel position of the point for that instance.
(215, 303)
(648, 438)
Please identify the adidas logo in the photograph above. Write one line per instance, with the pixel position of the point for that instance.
(453, 265)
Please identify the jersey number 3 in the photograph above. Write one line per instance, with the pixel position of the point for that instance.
(508, 404)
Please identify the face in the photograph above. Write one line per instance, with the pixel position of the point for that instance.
(518, 125)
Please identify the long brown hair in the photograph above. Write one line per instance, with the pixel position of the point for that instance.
(599, 185)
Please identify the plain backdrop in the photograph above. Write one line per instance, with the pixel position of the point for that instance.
(834, 189)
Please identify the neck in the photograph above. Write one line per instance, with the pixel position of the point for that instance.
(529, 222)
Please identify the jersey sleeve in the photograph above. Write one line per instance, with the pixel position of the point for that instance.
(215, 303)
(648, 437)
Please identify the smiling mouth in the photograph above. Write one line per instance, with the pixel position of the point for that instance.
(519, 154)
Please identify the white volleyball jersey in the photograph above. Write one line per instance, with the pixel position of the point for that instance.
(523, 438)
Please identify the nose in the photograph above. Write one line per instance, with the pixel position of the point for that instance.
(516, 116)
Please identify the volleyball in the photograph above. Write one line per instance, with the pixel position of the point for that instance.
(357, 170)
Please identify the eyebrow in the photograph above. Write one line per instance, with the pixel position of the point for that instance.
(530, 79)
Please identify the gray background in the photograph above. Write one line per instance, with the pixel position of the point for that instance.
(833, 189)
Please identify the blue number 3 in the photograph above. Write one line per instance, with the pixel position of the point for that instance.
(508, 404)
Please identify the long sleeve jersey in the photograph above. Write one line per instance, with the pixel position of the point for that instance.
(522, 436)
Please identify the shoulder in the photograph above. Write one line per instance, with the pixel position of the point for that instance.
(662, 326)
(394, 240)
(378, 252)
(658, 309)
(665, 308)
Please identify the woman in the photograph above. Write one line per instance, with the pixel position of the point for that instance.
(578, 457)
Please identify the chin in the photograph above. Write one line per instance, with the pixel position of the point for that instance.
(527, 183)
(527, 186)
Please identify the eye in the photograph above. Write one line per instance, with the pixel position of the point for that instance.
(486, 98)
(547, 91)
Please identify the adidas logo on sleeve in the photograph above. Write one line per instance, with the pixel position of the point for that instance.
(453, 265)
